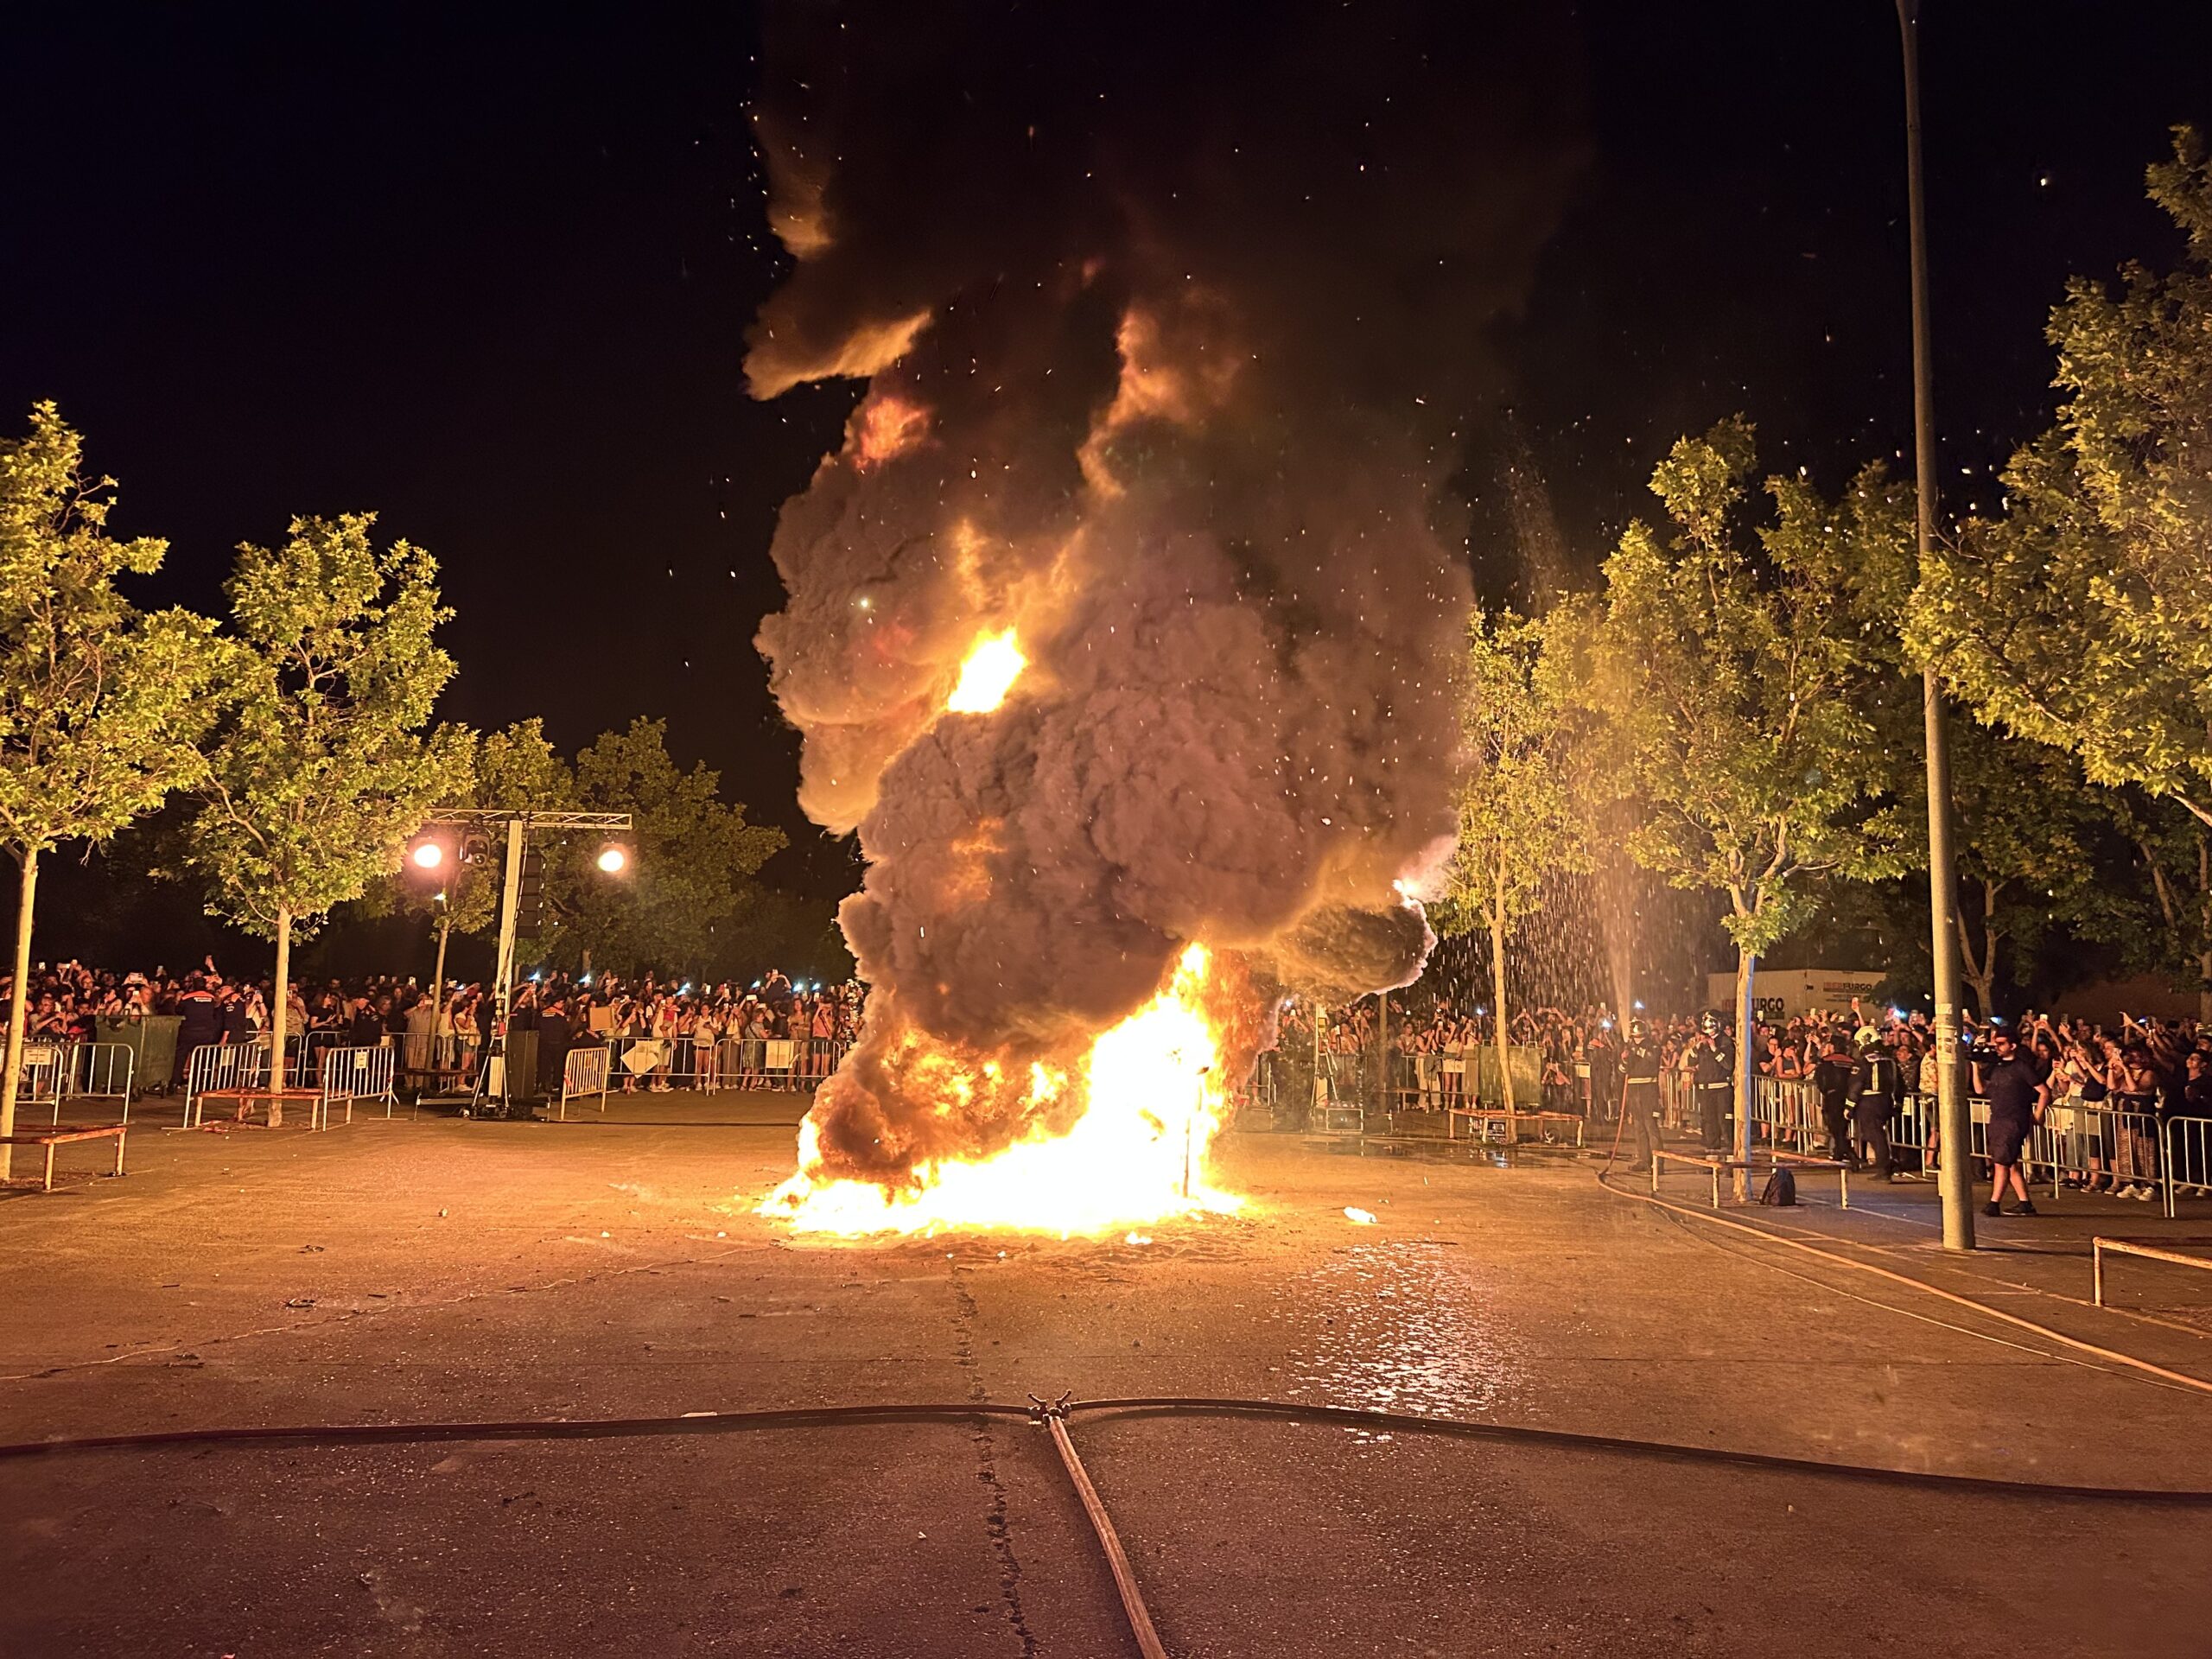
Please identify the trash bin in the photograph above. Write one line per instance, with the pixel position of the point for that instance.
(152, 1042)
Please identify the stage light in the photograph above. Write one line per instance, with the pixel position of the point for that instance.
(613, 858)
(428, 855)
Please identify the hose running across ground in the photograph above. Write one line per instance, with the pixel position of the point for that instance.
(1054, 1418)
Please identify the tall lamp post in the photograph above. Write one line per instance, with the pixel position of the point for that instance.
(1956, 1176)
(514, 828)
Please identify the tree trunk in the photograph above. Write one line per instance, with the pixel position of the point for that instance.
(438, 973)
(1746, 967)
(2205, 935)
(1497, 993)
(1980, 971)
(280, 1004)
(18, 1005)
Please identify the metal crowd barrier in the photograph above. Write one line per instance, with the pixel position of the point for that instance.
(1787, 1109)
(584, 1072)
(1678, 1104)
(352, 1074)
(222, 1065)
(729, 1063)
(2187, 1144)
(1258, 1094)
(39, 1083)
(2076, 1138)
(54, 1072)
(101, 1071)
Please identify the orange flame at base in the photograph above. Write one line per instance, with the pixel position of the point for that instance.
(1154, 1101)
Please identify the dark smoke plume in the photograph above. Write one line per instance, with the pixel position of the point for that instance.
(1173, 321)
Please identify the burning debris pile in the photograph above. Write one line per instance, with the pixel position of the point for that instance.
(1122, 626)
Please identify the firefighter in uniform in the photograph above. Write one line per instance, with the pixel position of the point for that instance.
(1639, 1064)
(1713, 1074)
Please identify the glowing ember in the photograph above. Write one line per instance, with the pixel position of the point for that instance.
(1153, 1103)
(994, 663)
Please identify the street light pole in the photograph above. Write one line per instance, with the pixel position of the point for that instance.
(514, 827)
(1956, 1176)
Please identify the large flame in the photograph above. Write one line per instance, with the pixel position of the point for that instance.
(1153, 1102)
(993, 664)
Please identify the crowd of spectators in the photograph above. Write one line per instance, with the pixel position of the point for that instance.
(444, 1035)
(2131, 1077)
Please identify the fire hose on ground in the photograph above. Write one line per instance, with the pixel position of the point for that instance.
(1053, 1417)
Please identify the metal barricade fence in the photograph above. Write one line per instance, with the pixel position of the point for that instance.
(585, 1071)
(2188, 1158)
(101, 1071)
(2076, 1139)
(307, 1051)
(45, 1069)
(347, 1075)
(1909, 1124)
(222, 1065)
(776, 1062)
(1787, 1113)
(1258, 1094)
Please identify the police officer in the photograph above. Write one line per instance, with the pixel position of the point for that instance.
(1874, 1096)
(1640, 1093)
(1712, 1073)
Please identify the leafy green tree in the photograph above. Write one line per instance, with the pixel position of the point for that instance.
(1736, 678)
(691, 880)
(2029, 826)
(2081, 616)
(323, 767)
(102, 707)
(2170, 930)
(1521, 826)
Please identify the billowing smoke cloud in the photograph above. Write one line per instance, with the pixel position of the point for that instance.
(1173, 319)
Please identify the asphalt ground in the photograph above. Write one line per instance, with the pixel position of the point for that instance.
(436, 1270)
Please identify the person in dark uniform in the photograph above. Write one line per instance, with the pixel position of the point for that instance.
(552, 1046)
(364, 1026)
(1712, 1069)
(1604, 1073)
(1831, 1080)
(2014, 1086)
(202, 1022)
(1874, 1097)
(1640, 1093)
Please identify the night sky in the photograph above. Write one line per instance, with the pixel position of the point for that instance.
(489, 276)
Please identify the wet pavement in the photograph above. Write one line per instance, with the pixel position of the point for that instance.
(438, 1270)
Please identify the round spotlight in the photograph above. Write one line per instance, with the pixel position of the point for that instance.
(614, 859)
(428, 855)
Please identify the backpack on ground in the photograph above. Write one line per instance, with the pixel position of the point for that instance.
(1781, 1189)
